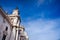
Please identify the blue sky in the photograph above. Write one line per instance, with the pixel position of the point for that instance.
(41, 18)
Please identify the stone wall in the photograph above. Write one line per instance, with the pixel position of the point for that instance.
(3, 24)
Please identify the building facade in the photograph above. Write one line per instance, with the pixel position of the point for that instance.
(10, 28)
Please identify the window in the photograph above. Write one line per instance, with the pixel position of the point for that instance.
(22, 38)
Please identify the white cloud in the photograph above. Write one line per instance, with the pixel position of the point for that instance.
(41, 2)
(42, 29)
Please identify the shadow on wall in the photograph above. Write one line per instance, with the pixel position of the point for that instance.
(3, 33)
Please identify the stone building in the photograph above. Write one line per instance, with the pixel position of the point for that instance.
(12, 22)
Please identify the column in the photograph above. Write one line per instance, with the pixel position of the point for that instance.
(13, 34)
(16, 33)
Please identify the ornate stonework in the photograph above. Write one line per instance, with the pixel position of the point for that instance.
(20, 33)
(17, 31)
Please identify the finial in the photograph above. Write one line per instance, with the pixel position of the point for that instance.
(16, 11)
(16, 8)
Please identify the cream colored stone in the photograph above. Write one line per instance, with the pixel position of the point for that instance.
(13, 23)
